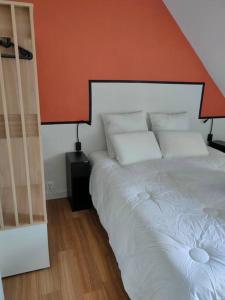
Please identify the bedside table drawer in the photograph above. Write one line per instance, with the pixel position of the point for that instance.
(80, 170)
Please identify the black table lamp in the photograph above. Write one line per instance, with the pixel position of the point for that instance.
(210, 135)
(78, 147)
(210, 116)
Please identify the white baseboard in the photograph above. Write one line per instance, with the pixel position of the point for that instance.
(24, 249)
(56, 195)
(1, 289)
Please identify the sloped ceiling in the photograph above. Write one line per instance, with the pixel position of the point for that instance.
(203, 24)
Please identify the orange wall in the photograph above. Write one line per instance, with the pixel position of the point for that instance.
(78, 40)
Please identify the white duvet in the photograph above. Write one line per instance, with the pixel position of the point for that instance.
(166, 224)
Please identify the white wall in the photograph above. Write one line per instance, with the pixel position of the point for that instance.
(203, 23)
(57, 140)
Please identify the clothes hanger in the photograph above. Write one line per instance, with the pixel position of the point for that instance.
(7, 43)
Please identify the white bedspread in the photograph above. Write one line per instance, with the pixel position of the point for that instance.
(166, 224)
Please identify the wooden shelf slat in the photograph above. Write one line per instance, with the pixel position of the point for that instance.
(2, 127)
(12, 174)
(20, 94)
(38, 108)
(15, 125)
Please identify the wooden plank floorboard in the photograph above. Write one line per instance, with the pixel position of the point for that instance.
(83, 266)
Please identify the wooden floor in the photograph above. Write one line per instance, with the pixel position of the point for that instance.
(83, 266)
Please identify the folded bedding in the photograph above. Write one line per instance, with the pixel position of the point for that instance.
(165, 219)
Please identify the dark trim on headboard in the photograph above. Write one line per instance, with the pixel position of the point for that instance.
(152, 81)
(66, 122)
(127, 81)
(200, 111)
(148, 81)
(75, 122)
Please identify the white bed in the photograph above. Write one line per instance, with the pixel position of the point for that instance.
(166, 224)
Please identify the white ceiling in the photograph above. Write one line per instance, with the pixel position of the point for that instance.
(203, 24)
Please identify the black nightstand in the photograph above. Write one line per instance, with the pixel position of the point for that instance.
(78, 170)
(219, 145)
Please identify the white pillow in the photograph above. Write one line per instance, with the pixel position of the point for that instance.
(169, 121)
(121, 123)
(181, 144)
(134, 147)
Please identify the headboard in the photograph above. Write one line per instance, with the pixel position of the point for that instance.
(149, 96)
(117, 96)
